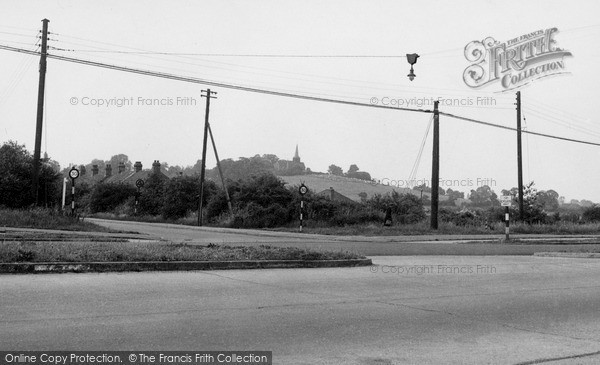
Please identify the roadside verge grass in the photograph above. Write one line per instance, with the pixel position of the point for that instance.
(41, 218)
(445, 228)
(14, 252)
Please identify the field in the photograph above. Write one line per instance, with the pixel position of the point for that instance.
(348, 187)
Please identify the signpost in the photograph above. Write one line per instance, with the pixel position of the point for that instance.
(302, 190)
(64, 193)
(139, 183)
(73, 174)
(506, 201)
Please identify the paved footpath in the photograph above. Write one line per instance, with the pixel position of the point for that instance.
(404, 310)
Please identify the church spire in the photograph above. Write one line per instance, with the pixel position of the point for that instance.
(296, 155)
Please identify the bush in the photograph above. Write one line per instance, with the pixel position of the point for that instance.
(344, 217)
(182, 195)
(319, 208)
(106, 197)
(265, 189)
(152, 195)
(406, 208)
(216, 206)
(261, 201)
(592, 214)
(256, 216)
(571, 217)
(463, 218)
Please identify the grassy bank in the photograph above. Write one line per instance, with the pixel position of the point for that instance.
(422, 228)
(373, 229)
(45, 219)
(146, 251)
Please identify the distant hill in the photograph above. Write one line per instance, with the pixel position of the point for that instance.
(346, 186)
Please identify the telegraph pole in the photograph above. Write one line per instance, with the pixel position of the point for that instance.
(520, 157)
(208, 96)
(435, 168)
(40, 113)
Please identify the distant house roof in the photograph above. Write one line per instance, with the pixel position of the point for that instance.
(335, 196)
(122, 175)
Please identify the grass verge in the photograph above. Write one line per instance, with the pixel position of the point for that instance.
(41, 218)
(12, 252)
(416, 229)
(444, 228)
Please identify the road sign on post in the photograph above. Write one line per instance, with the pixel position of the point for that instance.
(73, 174)
(506, 201)
(302, 190)
(139, 183)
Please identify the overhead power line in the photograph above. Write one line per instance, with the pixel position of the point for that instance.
(273, 92)
(248, 55)
(209, 82)
(515, 129)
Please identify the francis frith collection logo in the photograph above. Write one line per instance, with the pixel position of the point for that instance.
(515, 62)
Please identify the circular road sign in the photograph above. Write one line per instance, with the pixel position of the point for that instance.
(303, 189)
(139, 183)
(74, 173)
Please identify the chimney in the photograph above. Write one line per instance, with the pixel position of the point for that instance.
(108, 170)
(121, 167)
(331, 193)
(138, 166)
(156, 167)
(82, 169)
(95, 170)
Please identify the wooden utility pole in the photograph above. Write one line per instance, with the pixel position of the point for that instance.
(40, 113)
(208, 96)
(520, 158)
(212, 139)
(435, 167)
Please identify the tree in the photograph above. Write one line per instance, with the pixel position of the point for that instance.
(352, 169)
(533, 209)
(335, 170)
(455, 194)
(116, 159)
(592, 214)
(586, 203)
(423, 187)
(483, 196)
(245, 167)
(271, 158)
(361, 175)
(363, 197)
(16, 164)
(15, 180)
(548, 200)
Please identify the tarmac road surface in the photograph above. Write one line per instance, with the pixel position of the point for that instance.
(404, 310)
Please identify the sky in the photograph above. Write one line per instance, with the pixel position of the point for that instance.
(343, 50)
